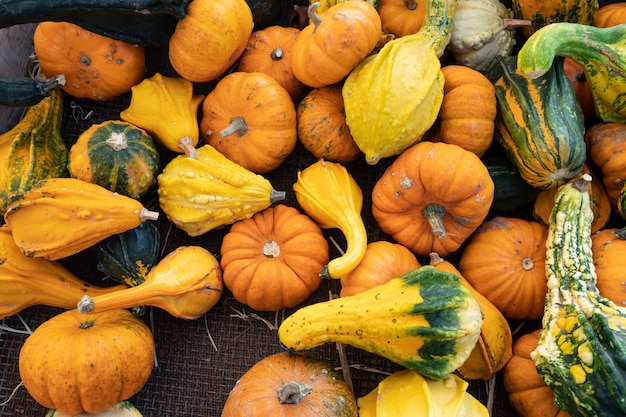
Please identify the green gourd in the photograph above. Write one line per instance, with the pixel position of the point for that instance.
(27, 91)
(581, 354)
(425, 320)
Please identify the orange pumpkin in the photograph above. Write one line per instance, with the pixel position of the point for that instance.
(210, 38)
(401, 17)
(610, 14)
(468, 111)
(606, 147)
(272, 260)
(383, 261)
(432, 197)
(250, 119)
(79, 363)
(290, 385)
(528, 393)
(322, 127)
(609, 246)
(95, 66)
(544, 202)
(269, 51)
(505, 261)
(334, 43)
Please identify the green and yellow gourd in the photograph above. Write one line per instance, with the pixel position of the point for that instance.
(540, 125)
(391, 98)
(425, 320)
(27, 91)
(600, 51)
(582, 345)
(33, 149)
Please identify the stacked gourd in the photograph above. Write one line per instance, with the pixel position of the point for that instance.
(351, 86)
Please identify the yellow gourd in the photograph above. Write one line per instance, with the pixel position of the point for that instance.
(167, 109)
(60, 217)
(201, 193)
(330, 196)
(186, 283)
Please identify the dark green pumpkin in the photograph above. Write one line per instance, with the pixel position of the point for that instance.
(511, 192)
(27, 91)
(127, 257)
(118, 156)
(540, 125)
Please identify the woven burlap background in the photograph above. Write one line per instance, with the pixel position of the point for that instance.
(198, 362)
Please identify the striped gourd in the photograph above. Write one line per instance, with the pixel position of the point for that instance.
(540, 125)
(581, 353)
(544, 12)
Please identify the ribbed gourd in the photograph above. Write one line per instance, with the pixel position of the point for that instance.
(540, 125)
(582, 345)
(200, 193)
(33, 149)
(600, 51)
(392, 97)
(425, 320)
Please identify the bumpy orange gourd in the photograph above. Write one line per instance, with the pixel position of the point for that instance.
(383, 261)
(250, 118)
(505, 261)
(335, 42)
(432, 197)
(322, 127)
(269, 51)
(609, 246)
(272, 260)
(528, 393)
(95, 66)
(210, 38)
(401, 17)
(86, 363)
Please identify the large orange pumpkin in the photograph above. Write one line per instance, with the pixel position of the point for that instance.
(505, 261)
(210, 38)
(95, 66)
(79, 363)
(432, 197)
(272, 260)
(251, 119)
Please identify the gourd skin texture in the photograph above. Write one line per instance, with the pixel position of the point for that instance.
(582, 344)
(600, 51)
(330, 196)
(540, 124)
(425, 320)
(100, 359)
(208, 191)
(33, 149)
(391, 98)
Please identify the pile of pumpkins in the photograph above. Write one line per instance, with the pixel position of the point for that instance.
(471, 132)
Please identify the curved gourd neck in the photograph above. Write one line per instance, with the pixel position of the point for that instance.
(436, 30)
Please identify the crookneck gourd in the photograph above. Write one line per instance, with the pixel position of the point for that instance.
(208, 190)
(540, 125)
(425, 320)
(582, 345)
(600, 51)
(392, 97)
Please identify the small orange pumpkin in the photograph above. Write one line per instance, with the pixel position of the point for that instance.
(79, 363)
(383, 261)
(95, 66)
(335, 42)
(504, 260)
(610, 14)
(272, 260)
(269, 51)
(528, 393)
(432, 197)
(609, 246)
(322, 127)
(401, 17)
(210, 38)
(250, 119)
(288, 385)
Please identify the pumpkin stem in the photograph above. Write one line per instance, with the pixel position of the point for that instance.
(117, 142)
(277, 54)
(85, 304)
(186, 144)
(271, 249)
(510, 23)
(410, 4)
(47, 85)
(293, 392)
(528, 264)
(434, 214)
(145, 215)
(314, 17)
(277, 195)
(237, 125)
